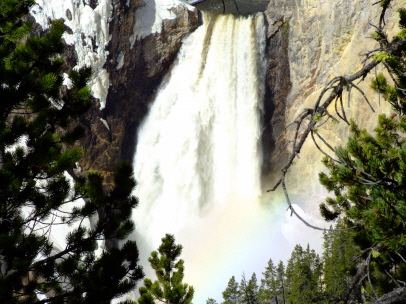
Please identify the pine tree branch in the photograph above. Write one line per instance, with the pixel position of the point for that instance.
(236, 6)
(61, 296)
(369, 276)
(361, 274)
(403, 259)
(398, 295)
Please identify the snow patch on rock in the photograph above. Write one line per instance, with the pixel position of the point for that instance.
(149, 18)
(105, 123)
(120, 60)
(90, 35)
(67, 81)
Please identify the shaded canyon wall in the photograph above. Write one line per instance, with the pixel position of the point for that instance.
(136, 68)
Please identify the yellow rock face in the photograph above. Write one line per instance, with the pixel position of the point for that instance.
(327, 39)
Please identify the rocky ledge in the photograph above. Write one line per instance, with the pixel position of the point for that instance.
(135, 72)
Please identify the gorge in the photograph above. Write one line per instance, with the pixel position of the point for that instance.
(201, 105)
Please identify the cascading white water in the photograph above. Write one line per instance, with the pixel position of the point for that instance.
(198, 156)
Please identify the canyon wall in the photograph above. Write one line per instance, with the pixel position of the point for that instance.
(321, 40)
(132, 45)
(136, 66)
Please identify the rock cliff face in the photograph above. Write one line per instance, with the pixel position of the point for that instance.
(324, 39)
(309, 42)
(278, 86)
(135, 72)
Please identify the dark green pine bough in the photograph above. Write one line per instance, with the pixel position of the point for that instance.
(35, 107)
(169, 270)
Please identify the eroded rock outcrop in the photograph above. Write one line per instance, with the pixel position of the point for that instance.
(136, 68)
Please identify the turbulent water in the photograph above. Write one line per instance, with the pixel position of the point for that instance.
(198, 156)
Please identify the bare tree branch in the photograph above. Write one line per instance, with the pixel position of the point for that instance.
(398, 295)
(361, 274)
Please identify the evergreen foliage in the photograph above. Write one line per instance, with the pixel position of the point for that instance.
(308, 278)
(249, 290)
(36, 133)
(270, 284)
(369, 183)
(232, 293)
(280, 270)
(303, 273)
(340, 262)
(169, 270)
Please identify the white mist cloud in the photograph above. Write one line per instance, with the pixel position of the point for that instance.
(295, 231)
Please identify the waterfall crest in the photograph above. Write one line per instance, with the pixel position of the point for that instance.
(198, 155)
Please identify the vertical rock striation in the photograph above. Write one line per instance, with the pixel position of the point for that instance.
(310, 42)
(278, 86)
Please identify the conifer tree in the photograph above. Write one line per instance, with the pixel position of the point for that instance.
(232, 293)
(280, 270)
(169, 270)
(340, 262)
(211, 301)
(249, 290)
(303, 272)
(36, 134)
(269, 290)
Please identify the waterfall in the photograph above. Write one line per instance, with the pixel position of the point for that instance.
(198, 155)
